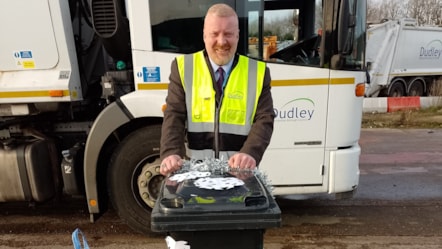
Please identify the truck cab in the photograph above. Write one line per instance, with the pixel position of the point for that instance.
(83, 86)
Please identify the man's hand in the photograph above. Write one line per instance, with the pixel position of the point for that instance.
(242, 161)
(170, 164)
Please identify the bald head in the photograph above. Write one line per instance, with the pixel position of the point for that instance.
(221, 33)
(222, 10)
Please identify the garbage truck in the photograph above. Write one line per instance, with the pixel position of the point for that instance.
(404, 59)
(83, 86)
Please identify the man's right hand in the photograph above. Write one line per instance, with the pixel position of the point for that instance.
(170, 164)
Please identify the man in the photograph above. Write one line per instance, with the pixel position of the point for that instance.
(232, 120)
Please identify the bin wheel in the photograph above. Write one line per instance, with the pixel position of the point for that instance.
(134, 180)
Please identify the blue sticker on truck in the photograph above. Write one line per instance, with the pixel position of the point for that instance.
(24, 59)
(151, 74)
(25, 54)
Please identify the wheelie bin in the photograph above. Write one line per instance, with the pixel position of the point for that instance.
(233, 212)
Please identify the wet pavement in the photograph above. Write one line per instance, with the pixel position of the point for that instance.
(401, 164)
(398, 205)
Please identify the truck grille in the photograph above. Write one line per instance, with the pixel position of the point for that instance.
(104, 17)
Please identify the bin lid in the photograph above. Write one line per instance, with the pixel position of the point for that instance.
(186, 206)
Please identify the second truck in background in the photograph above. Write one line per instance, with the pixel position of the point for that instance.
(403, 59)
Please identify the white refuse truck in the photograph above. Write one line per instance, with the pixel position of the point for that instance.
(83, 84)
(403, 59)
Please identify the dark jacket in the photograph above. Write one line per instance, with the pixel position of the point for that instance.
(175, 115)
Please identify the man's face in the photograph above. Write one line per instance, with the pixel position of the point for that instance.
(221, 36)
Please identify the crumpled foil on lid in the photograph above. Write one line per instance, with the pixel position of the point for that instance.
(220, 166)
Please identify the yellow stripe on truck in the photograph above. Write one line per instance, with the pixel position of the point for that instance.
(343, 81)
(312, 82)
(152, 86)
(30, 94)
(275, 83)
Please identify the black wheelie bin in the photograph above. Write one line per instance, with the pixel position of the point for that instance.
(234, 217)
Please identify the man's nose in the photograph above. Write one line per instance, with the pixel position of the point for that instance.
(222, 39)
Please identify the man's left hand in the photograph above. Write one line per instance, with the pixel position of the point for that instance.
(242, 161)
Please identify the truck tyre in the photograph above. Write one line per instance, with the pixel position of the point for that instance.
(397, 88)
(134, 180)
(416, 87)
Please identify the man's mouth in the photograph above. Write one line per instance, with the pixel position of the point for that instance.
(222, 50)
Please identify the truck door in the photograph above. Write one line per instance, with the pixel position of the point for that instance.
(285, 34)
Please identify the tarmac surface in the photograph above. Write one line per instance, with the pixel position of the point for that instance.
(398, 205)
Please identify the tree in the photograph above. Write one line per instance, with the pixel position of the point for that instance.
(426, 12)
(373, 11)
(394, 9)
(281, 26)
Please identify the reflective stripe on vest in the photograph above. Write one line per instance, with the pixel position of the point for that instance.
(204, 154)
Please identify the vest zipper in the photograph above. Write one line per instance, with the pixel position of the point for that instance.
(217, 114)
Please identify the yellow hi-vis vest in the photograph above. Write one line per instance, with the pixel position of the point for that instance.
(219, 130)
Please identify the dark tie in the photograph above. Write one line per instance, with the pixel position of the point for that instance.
(220, 80)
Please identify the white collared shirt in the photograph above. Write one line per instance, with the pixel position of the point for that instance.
(225, 67)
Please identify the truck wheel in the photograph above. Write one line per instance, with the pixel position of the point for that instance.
(134, 180)
(397, 88)
(416, 87)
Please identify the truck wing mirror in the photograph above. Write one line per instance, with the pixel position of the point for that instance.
(347, 23)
